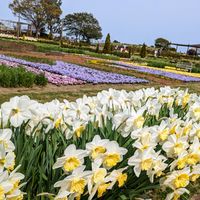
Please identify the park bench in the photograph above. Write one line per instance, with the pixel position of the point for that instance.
(186, 66)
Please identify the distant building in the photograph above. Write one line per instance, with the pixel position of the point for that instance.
(122, 48)
(9, 26)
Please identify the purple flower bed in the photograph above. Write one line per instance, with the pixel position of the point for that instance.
(156, 72)
(78, 72)
(56, 79)
(52, 78)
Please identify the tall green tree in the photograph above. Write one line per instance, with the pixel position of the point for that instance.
(162, 43)
(53, 12)
(143, 51)
(30, 10)
(107, 45)
(84, 26)
(39, 12)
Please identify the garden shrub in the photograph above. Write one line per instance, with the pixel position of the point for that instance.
(40, 80)
(19, 77)
(121, 54)
(138, 59)
(143, 52)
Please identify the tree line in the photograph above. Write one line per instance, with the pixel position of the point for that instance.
(46, 15)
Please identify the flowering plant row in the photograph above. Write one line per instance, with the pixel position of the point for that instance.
(9, 177)
(77, 72)
(117, 144)
(56, 79)
(161, 72)
(10, 36)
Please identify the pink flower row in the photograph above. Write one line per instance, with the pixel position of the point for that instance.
(52, 78)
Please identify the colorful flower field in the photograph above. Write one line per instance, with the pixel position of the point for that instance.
(161, 72)
(115, 145)
(64, 73)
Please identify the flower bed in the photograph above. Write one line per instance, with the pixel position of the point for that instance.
(52, 78)
(114, 145)
(78, 72)
(160, 72)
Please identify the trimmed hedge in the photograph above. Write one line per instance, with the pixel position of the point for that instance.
(19, 77)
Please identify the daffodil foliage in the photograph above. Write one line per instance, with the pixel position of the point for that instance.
(115, 145)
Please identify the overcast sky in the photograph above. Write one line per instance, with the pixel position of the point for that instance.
(137, 21)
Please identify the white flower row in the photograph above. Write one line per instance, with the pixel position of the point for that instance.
(168, 150)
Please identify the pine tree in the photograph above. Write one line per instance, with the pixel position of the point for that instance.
(97, 48)
(129, 51)
(143, 51)
(107, 45)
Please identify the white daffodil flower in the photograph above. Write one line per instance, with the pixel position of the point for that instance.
(174, 146)
(195, 173)
(5, 136)
(97, 147)
(75, 183)
(145, 140)
(5, 185)
(96, 178)
(117, 176)
(135, 121)
(17, 110)
(72, 159)
(178, 179)
(142, 161)
(157, 167)
(7, 160)
(176, 194)
(113, 155)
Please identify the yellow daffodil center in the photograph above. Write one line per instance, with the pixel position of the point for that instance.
(194, 177)
(196, 112)
(146, 164)
(144, 147)
(79, 131)
(159, 173)
(164, 134)
(178, 147)
(99, 175)
(2, 192)
(102, 189)
(122, 178)
(139, 121)
(2, 161)
(15, 186)
(181, 181)
(58, 122)
(173, 130)
(78, 185)
(98, 151)
(198, 133)
(187, 129)
(15, 111)
(181, 163)
(111, 159)
(176, 196)
(71, 163)
(192, 159)
(185, 100)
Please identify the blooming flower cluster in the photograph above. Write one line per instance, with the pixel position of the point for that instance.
(3, 35)
(10, 36)
(161, 72)
(9, 177)
(76, 72)
(117, 137)
(104, 155)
